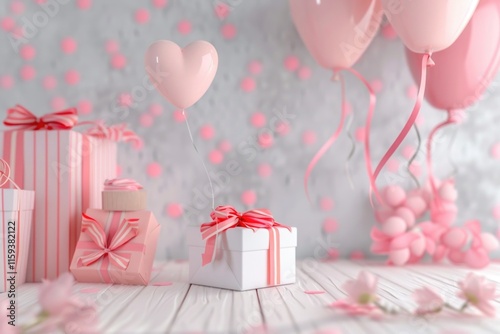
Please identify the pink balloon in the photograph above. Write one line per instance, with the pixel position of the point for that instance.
(336, 32)
(400, 257)
(464, 70)
(427, 26)
(182, 76)
(394, 226)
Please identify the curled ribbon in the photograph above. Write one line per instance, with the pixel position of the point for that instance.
(24, 119)
(122, 184)
(225, 217)
(116, 133)
(127, 230)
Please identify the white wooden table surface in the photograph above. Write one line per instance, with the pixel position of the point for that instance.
(184, 308)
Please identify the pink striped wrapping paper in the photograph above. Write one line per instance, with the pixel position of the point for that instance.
(140, 249)
(66, 169)
(16, 212)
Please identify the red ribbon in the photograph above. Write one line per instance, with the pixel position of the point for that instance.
(127, 230)
(24, 119)
(225, 217)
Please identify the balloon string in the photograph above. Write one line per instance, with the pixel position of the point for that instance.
(201, 158)
(426, 62)
(330, 141)
(454, 117)
(351, 153)
(369, 117)
(414, 156)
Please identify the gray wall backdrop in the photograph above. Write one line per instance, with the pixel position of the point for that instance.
(90, 54)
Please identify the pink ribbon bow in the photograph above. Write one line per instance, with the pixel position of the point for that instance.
(225, 217)
(24, 119)
(117, 133)
(127, 230)
(122, 184)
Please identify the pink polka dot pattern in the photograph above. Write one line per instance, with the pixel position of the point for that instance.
(330, 225)
(228, 31)
(72, 77)
(221, 10)
(326, 204)
(155, 109)
(258, 119)
(255, 67)
(247, 85)
(7, 23)
(84, 107)
(416, 169)
(119, 170)
(495, 151)
(160, 3)
(333, 254)
(216, 157)
(249, 197)
(146, 120)
(125, 100)
(264, 170)
(68, 45)
(357, 255)
(58, 103)
(360, 134)
(28, 72)
(408, 151)
(154, 169)
(265, 140)
(377, 85)
(174, 210)
(393, 165)
(49, 82)
(27, 52)
(411, 92)
(225, 146)
(291, 63)
(84, 4)
(304, 73)
(282, 128)
(496, 212)
(184, 27)
(111, 46)
(17, 7)
(388, 32)
(6, 81)
(309, 137)
(118, 61)
(178, 116)
(207, 132)
(141, 16)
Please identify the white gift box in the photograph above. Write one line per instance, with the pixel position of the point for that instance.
(241, 258)
(16, 212)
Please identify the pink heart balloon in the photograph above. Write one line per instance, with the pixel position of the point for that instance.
(465, 69)
(336, 32)
(429, 25)
(182, 76)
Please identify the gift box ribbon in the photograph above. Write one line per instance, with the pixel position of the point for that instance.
(225, 217)
(122, 184)
(24, 119)
(113, 251)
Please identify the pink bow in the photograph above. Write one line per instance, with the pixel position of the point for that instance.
(116, 133)
(24, 119)
(127, 230)
(122, 184)
(225, 217)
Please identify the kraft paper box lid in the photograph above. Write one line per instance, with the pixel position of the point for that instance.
(243, 239)
(124, 200)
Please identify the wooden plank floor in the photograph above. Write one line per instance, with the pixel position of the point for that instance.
(184, 308)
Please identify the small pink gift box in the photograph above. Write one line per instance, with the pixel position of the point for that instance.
(116, 247)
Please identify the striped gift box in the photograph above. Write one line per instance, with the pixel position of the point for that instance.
(16, 212)
(66, 169)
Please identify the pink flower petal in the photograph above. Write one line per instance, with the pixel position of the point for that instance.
(162, 283)
(314, 292)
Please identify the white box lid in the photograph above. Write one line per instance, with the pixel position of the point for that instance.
(243, 239)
